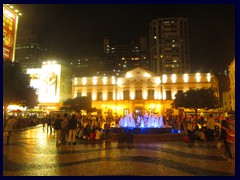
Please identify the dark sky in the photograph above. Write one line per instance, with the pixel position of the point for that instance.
(78, 29)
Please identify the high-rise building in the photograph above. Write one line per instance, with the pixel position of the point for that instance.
(30, 52)
(169, 45)
(123, 56)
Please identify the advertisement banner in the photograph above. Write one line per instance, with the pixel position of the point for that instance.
(10, 20)
(49, 91)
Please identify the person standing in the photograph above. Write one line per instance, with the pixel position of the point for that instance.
(223, 137)
(57, 127)
(72, 126)
(9, 128)
(210, 128)
(64, 129)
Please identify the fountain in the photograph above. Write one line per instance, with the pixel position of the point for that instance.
(151, 124)
(142, 121)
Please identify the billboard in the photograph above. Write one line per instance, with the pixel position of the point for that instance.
(49, 91)
(10, 22)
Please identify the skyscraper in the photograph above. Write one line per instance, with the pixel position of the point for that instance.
(169, 45)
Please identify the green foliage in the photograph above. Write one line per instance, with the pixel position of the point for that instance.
(77, 104)
(194, 99)
(16, 86)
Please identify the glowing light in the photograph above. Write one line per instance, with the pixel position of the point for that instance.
(158, 80)
(145, 95)
(104, 96)
(132, 95)
(198, 77)
(119, 82)
(164, 78)
(105, 80)
(94, 96)
(128, 75)
(185, 78)
(164, 95)
(174, 77)
(113, 80)
(75, 81)
(208, 77)
(94, 80)
(84, 80)
(147, 75)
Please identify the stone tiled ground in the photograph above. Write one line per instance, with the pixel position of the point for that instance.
(32, 152)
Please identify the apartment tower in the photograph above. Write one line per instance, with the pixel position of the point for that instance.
(169, 46)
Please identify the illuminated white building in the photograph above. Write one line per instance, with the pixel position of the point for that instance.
(53, 84)
(139, 90)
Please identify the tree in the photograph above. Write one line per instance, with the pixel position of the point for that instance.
(16, 87)
(203, 98)
(77, 104)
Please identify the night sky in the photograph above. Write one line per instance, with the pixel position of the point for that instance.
(79, 29)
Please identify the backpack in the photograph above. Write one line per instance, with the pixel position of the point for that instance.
(230, 136)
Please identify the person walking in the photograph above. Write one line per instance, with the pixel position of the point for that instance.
(72, 126)
(57, 127)
(9, 128)
(223, 137)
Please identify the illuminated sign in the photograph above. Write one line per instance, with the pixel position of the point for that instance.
(49, 91)
(10, 21)
(35, 75)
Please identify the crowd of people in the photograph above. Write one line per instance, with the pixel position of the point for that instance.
(68, 127)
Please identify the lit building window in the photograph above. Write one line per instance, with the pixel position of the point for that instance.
(84, 81)
(185, 77)
(164, 78)
(198, 77)
(208, 77)
(104, 80)
(94, 80)
(113, 80)
(158, 80)
(174, 77)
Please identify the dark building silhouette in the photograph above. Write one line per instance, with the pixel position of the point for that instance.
(30, 52)
(169, 45)
(122, 56)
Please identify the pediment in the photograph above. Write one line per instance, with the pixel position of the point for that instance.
(139, 73)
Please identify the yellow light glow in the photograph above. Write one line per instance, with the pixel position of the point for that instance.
(147, 75)
(185, 78)
(94, 80)
(84, 80)
(164, 95)
(158, 80)
(128, 75)
(208, 77)
(113, 80)
(174, 77)
(164, 78)
(104, 96)
(132, 95)
(94, 96)
(75, 81)
(145, 95)
(119, 82)
(15, 107)
(198, 77)
(104, 80)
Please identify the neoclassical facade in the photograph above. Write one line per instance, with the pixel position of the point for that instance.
(139, 91)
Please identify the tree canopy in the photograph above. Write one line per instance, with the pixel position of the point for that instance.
(203, 98)
(16, 87)
(77, 104)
